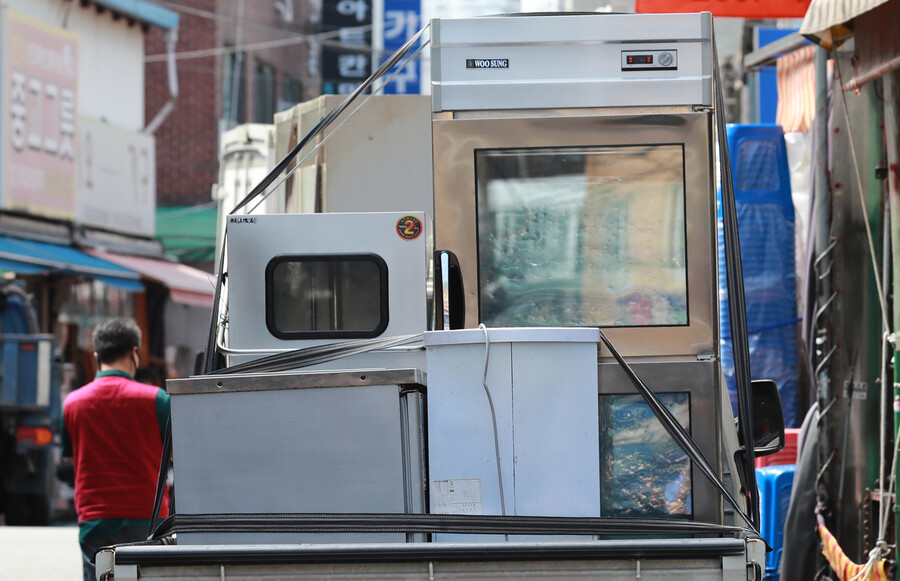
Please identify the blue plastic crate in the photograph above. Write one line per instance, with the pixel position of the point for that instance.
(765, 213)
(775, 484)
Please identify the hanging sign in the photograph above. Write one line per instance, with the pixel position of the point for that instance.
(728, 8)
(343, 69)
(402, 20)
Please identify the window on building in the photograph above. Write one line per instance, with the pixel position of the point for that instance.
(291, 92)
(263, 93)
(234, 97)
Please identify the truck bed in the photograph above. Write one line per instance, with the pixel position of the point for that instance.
(645, 559)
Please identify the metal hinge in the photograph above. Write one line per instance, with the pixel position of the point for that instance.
(706, 357)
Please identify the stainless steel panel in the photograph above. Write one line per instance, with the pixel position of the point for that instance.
(648, 559)
(253, 241)
(332, 449)
(569, 61)
(293, 380)
(455, 143)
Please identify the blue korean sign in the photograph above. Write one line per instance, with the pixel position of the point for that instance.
(402, 22)
(343, 69)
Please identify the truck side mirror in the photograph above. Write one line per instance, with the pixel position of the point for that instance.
(768, 420)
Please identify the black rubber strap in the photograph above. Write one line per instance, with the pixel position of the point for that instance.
(674, 428)
(161, 478)
(736, 300)
(441, 523)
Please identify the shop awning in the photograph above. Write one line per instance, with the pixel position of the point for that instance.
(825, 20)
(187, 285)
(796, 90)
(32, 257)
(188, 233)
(142, 11)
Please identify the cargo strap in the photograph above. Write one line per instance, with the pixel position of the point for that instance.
(437, 523)
(675, 430)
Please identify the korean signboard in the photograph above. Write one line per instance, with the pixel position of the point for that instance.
(402, 22)
(343, 69)
(38, 104)
(116, 178)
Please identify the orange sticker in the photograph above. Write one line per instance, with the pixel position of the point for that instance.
(409, 227)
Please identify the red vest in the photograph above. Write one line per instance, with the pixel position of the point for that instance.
(116, 448)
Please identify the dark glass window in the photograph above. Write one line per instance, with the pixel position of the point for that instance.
(326, 296)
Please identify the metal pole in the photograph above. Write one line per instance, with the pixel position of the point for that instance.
(822, 260)
(892, 136)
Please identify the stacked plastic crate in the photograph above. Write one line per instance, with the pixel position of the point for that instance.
(766, 226)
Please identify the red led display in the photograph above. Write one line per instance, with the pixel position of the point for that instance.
(640, 59)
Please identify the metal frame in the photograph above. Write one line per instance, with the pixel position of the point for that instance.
(455, 142)
(383, 288)
(699, 379)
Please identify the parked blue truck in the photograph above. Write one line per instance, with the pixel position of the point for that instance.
(29, 411)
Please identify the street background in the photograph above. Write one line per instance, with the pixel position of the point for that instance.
(41, 553)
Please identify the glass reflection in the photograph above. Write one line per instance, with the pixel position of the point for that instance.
(643, 472)
(582, 236)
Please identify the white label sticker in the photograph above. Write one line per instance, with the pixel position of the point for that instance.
(458, 496)
(859, 390)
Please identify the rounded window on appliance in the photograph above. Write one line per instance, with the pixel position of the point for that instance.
(573, 236)
(325, 296)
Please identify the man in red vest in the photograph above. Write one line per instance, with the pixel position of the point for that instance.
(113, 429)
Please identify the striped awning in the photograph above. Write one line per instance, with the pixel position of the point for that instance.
(826, 21)
(186, 285)
(796, 90)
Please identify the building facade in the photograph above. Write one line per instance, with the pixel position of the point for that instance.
(78, 175)
(219, 86)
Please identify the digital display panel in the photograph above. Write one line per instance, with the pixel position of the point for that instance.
(640, 59)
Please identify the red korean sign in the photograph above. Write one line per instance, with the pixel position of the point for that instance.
(728, 8)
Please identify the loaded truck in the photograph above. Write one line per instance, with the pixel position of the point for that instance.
(29, 411)
(504, 364)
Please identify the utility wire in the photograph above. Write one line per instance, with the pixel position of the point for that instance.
(323, 38)
(225, 18)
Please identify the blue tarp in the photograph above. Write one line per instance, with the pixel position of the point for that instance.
(33, 257)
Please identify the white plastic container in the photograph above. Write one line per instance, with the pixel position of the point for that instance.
(543, 383)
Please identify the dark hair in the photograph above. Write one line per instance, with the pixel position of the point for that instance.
(115, 338)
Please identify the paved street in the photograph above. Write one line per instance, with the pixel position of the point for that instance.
(45, 553)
